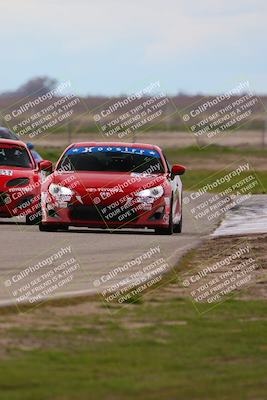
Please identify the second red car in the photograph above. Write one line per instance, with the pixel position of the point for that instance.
(20, 181)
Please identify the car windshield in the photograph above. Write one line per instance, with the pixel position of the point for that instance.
(112, 159)
(14, 156)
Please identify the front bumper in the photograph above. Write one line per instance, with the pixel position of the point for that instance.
(138, 215)
(14, 205)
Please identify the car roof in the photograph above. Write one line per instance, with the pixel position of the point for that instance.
(116, 144)
(15, 142)
(6, 133)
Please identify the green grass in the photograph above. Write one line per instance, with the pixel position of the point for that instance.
(194, 180)
(52, 153)
(214, 150)
(176, 355)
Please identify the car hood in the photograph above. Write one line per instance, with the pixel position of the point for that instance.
(115, 182)
(9, 173)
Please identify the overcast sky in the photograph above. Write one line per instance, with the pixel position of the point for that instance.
(110, 47)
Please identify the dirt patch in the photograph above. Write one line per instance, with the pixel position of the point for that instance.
(222, 253)
(39, 328)
(137, 324)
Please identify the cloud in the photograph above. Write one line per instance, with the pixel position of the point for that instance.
(149, 34)
(161, 28)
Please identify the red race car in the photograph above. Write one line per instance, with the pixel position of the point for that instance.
(20, 181)
(113, 185)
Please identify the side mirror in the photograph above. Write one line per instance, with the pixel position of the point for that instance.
(177, 170)
(45, 165)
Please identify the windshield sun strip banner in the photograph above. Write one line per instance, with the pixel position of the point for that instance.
(120, 149)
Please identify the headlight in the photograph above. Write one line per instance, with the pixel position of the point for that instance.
(59, 191)
(153, 193)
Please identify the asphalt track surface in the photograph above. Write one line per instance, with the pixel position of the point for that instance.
(97, 252)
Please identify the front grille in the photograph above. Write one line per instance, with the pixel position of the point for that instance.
(93, 213)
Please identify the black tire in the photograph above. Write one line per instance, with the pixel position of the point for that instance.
(177, 228)
(48, 228)
(64, 228)
(164, 231)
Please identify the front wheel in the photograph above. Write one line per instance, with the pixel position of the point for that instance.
(47, 228)
(164, 231)
(53, 228)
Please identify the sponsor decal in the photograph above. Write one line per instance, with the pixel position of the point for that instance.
(6, 172)
(91, 190)
(143, 175)
(113, 149)
(20, 189)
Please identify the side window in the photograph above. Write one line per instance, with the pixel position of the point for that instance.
(167, 162)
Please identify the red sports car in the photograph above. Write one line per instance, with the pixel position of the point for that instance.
(113, 185)
(20, 181)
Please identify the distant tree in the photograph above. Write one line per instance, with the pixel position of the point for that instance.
(181, 93)
(42, 84)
